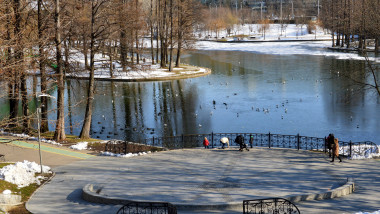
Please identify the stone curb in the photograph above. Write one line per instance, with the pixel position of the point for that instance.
(92, 193)
(346, 189)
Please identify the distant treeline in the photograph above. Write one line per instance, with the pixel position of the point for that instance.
(352, 21)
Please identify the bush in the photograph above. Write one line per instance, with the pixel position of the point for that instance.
(311, 26)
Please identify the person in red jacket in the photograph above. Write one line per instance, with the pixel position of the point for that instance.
(206, 143)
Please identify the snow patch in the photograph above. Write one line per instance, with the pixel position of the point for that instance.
(7, 192)
(376, 212)
(124, 155)
(366, 153)
(23, 173)
(79, 146)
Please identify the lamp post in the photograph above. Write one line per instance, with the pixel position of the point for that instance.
(39, 125)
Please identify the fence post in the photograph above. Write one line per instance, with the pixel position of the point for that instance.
(153, 140)
(125, 147)
(298, 141)
(183, 141)
(269, 140)
(350, 148)
(212, 139)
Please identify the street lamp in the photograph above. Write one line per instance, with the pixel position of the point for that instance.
(39, 125)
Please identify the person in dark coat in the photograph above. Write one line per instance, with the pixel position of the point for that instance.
(330, 143)
(206, 143)
(240, 140)
(336, 150)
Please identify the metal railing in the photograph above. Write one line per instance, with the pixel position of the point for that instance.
(270, 206)
(148, 207)
(116, 146)
(263, 140)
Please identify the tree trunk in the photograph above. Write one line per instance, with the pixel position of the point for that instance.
(59, 133)
(66, 43)
(85, 132)
(85, 50)
(42, 62)
(137, 48)
(171, 35)
(360, 42)
(136, 34)
(179, 48)
(151, 31)
(179, 44)
(19, 60)
(110, 53)
(123, 39)
(338, 40)
(13, 86)
(24, 102)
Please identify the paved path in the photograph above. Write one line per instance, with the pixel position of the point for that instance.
(52, 155)
(210, 177)
(52, 149)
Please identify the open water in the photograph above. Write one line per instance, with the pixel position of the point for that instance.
(246, 92)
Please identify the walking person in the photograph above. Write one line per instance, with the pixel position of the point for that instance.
(335, 149)
(251, 141)
(330, 143)
(224, 141)
(206, 143)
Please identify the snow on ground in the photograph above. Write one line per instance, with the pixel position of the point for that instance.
(79, 146)
(124, 155)
(25, 136)
(313, 48)
(275, 32)
(23, 173)
(7, 192)
(376, 212)
(317, 48)
(361, 153)
(144, 70)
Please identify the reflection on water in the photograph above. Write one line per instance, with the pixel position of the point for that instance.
(252, 93)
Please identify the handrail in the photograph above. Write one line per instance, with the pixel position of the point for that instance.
(269, 205)
(147, 207)
(262, 140)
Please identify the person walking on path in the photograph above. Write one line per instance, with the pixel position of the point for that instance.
(335, 149)
(330, 143)
(224, 141)
(251, 140)
(206, 143)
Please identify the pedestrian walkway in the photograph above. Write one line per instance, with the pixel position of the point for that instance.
(206, 178)
(46, 148)
(52, 155)
(52, 149)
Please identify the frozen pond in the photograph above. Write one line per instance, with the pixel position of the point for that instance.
(253, 92)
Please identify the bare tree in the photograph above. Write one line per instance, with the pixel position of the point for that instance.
(98, 34)
(59, 133)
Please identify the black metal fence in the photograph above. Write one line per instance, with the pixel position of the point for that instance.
(263, 140)
(116, 146)
(148, 207)
(269, 206)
